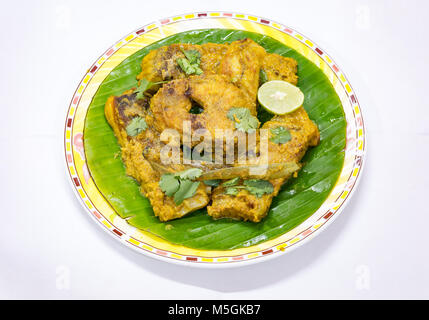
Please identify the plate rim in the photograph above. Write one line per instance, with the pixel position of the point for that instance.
(230, 262)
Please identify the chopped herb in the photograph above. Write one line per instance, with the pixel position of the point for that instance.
(255, 187)
(231, 191)
(186, 190)
(231, 187)
(280, 135)
(262, 76)
(258, 187)
(180, 184)
(169, 184)
(193, 56)
(232, 182)
(185, 65)
(212, 183)
(144, 86)
(191, 63)
(136, 125)
(190, 174)
(244, 121)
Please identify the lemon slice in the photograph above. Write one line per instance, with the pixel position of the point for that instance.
(280, 97)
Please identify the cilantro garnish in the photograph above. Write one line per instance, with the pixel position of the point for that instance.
(191, 63)
(190, 174)
(212, 183)
(231, 187)
(186, 190)
(262, 77)
(256, 187)
(180, 184)
(231, 183)
(169, 184)
(244, 121)
(280, 135)
(136, 125)
(144, 86)
(231, 191)
(193, 56)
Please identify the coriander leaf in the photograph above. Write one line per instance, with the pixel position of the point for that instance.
(193, 56)
(169, 184)
(135, 126)
(231, 191)
(191, 63)
(237, 112)
(180, 184)
(144, 86)
(212, 183)
(280, 135)
(190, 174)
(198, 71)
(189, 68)
(232, 182)
(258, 187)
(186, 190)
(262, 76)
(185, 65)
(244, 121)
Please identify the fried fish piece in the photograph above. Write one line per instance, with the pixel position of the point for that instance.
(304, 134)
(239, 62)
(243, 206)
(119, 111)
(161, 64)
(278, 67)
(171, 104)
(241, 65)
(163, 206)
(246, 206)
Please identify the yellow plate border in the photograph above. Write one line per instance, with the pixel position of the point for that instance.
(98, 207)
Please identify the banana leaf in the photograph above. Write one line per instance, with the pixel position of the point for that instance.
(299, 197)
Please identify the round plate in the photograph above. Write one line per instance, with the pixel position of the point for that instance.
(146, 243)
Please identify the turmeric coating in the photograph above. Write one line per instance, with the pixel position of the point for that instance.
(229, 79)
(171, 104)
(249, 207)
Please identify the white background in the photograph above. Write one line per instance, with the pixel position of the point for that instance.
(377, 247)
